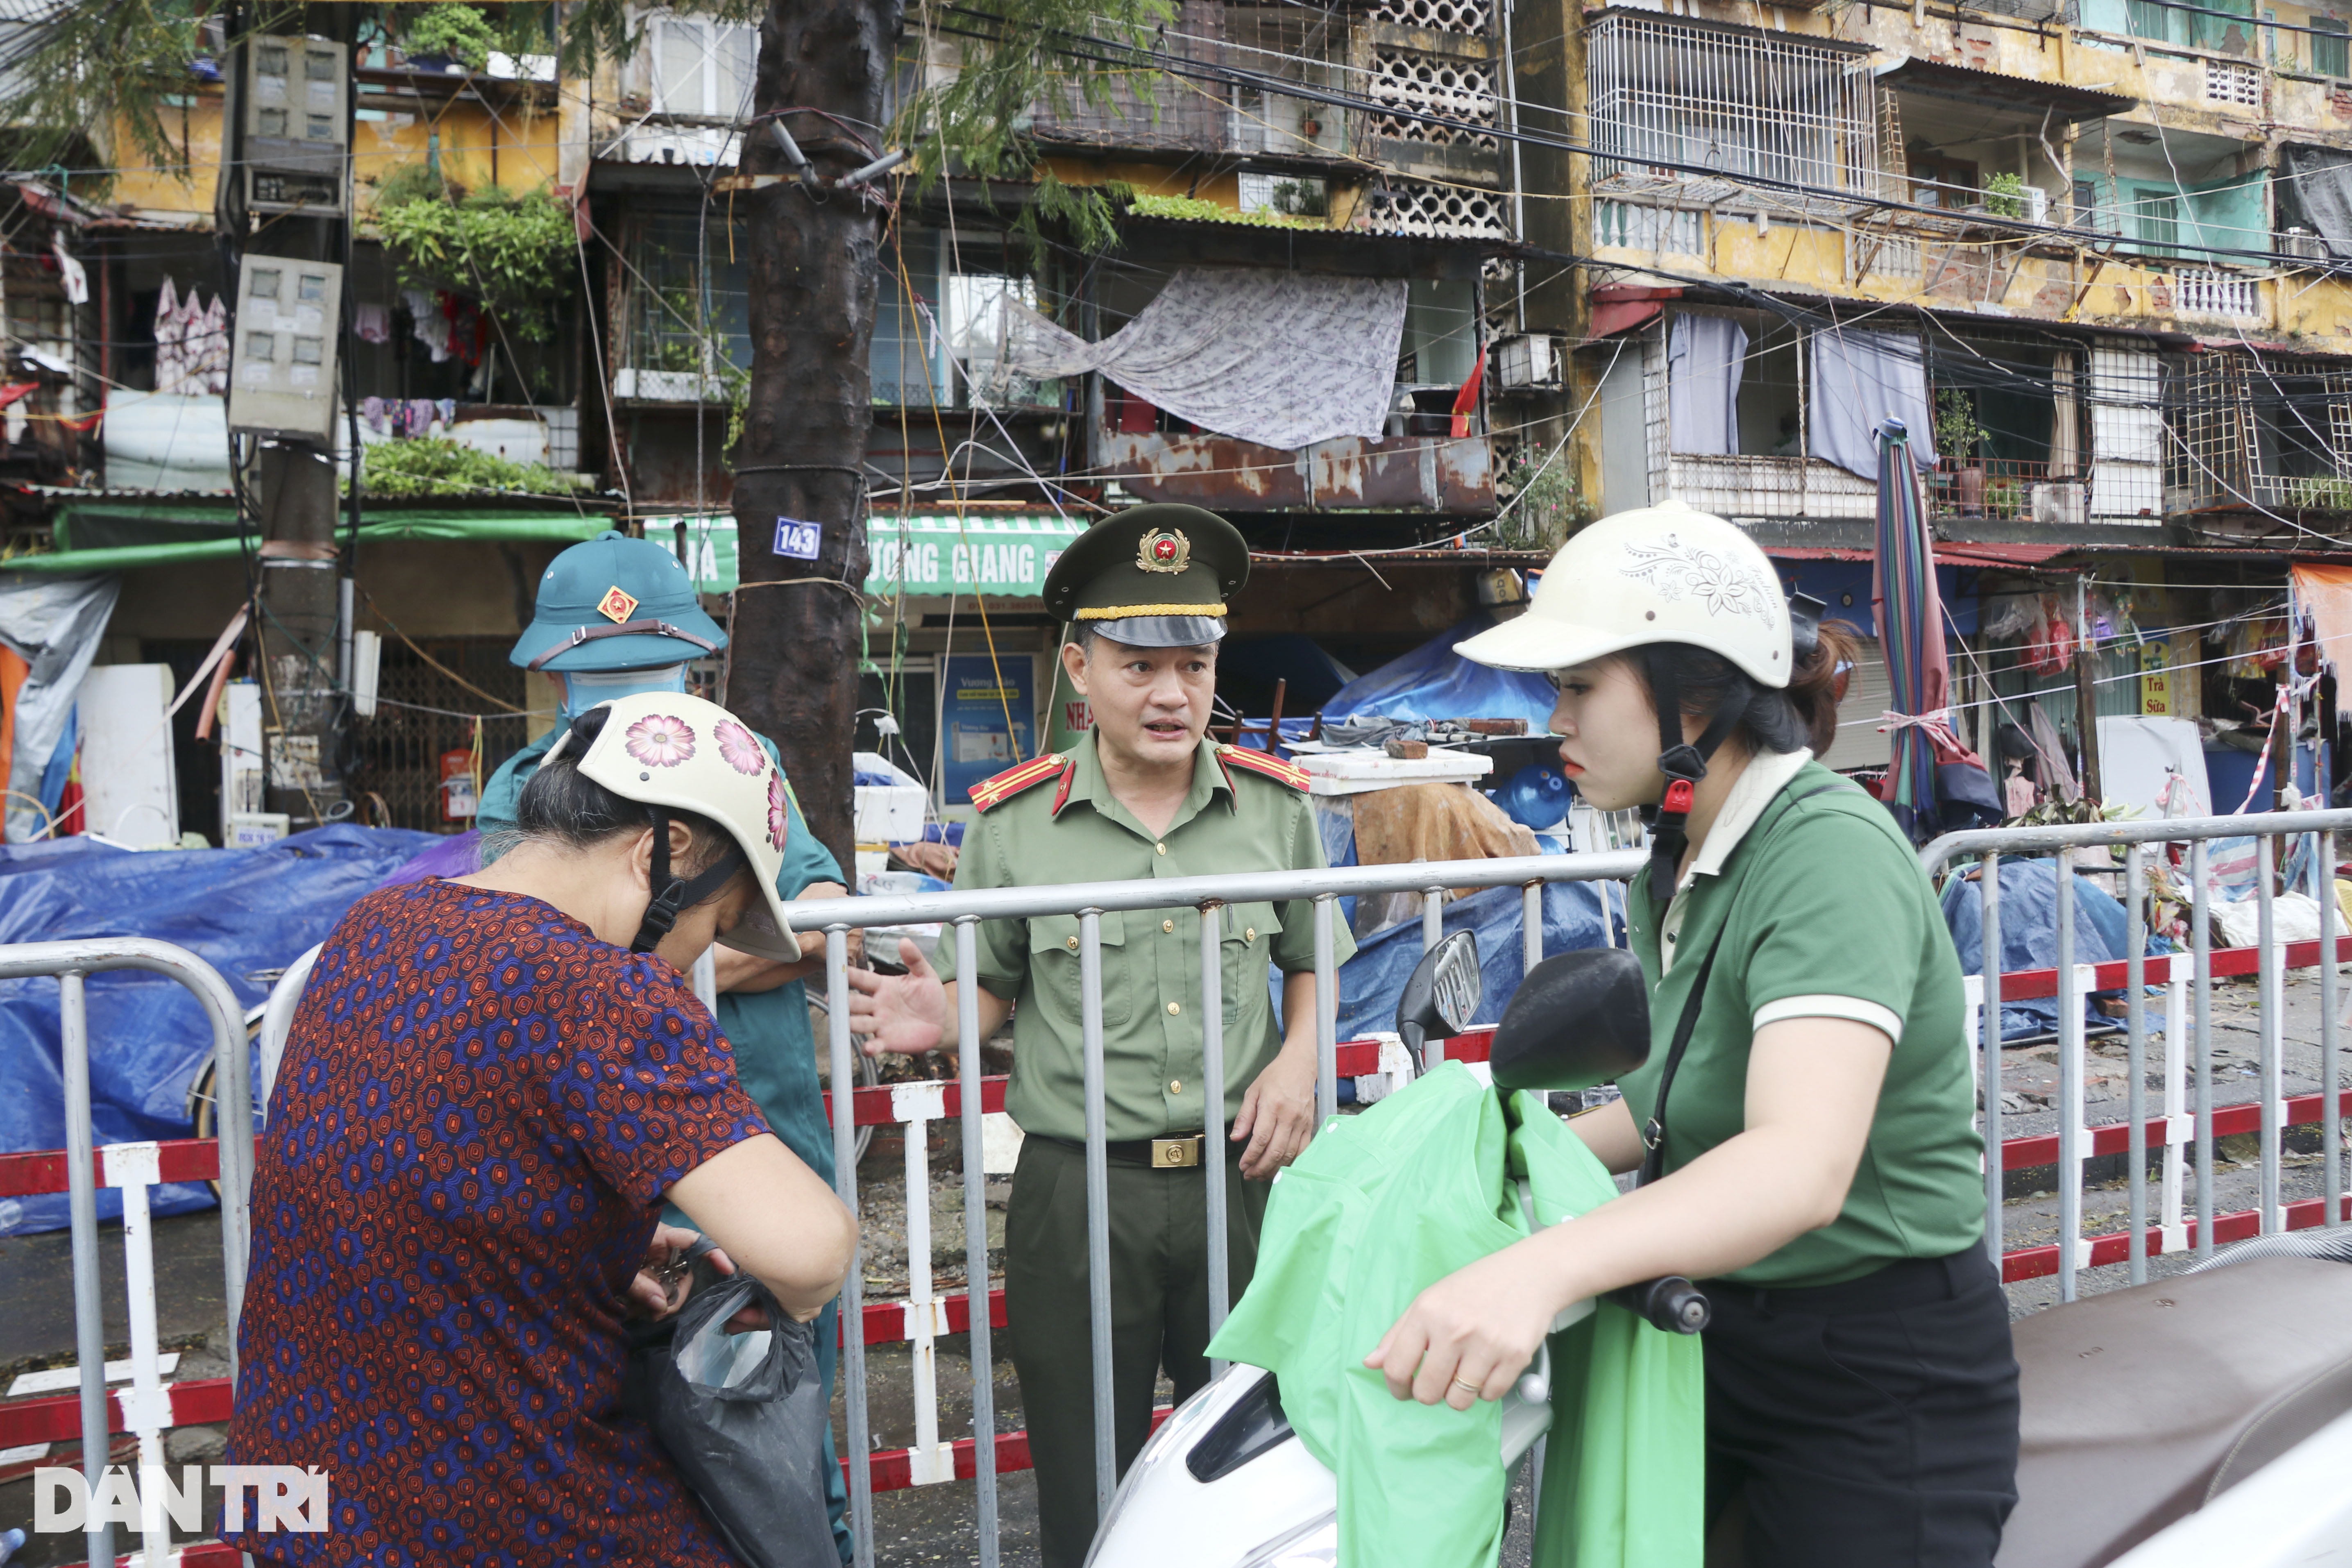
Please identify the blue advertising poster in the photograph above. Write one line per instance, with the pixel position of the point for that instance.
(975, 693)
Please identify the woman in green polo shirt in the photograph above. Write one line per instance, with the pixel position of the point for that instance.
(1812, 1153)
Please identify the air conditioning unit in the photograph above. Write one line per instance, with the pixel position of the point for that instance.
(1527, 363)
(2063, 504)
(2302, 244)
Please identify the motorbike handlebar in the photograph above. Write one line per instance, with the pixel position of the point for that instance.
(1672, 1303)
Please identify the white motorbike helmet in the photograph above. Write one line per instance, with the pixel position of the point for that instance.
(1657, 576)
(672, 751)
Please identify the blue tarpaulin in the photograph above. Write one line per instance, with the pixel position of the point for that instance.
(1433, 681)
(1371, 983)
(2028, 934)
(247, 912)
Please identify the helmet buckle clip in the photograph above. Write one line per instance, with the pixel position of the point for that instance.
(1679, 796)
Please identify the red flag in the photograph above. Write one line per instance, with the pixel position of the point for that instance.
(1465, 401)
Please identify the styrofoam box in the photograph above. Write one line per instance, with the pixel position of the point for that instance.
(889, 813)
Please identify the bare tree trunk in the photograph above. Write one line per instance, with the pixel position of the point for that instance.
(793, 661)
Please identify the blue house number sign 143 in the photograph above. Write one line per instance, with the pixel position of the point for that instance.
(799, 540)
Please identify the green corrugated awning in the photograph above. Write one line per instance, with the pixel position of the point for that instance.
(216, 537)
(999, 554)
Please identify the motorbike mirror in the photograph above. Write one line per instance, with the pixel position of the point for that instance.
(1579, 1019)
(1442, 994)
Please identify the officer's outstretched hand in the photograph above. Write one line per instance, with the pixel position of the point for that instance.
(905, 1014)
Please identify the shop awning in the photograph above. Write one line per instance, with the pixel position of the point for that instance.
(136, 535)
(999, 554)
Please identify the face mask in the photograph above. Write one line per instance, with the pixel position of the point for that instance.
(583, 690)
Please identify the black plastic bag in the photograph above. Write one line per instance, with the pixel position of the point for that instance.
(742, 1417)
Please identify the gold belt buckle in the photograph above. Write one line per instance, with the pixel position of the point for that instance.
(1175, 1154)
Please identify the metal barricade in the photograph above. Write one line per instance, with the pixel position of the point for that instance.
(2188, 981)
(960, 913)
(148, 1407)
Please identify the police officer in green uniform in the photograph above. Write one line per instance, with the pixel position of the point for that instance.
(617, 616)
(1142, 796)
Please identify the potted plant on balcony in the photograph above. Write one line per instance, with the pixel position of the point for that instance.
(1958, 438)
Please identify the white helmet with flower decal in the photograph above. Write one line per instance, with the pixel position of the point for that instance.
(1667, 573)
(667, 750)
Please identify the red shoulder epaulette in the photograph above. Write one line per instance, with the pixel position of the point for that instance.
(1003, 787)
(1264, 762)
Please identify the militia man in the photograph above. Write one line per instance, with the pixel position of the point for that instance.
(1142, 796)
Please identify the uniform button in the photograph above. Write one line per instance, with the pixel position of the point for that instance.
(1074, 944)
(1175, 1006)
(1167, 925)
(1175, 1085)
(1159, 849)
(1249, 933)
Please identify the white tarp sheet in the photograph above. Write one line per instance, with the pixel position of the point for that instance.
(1282, 359)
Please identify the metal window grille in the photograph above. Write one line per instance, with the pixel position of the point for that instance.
(400, 748)
(669, 348)
(702, 68)
(1305, 46)
(2258, 431)
(1747, 102)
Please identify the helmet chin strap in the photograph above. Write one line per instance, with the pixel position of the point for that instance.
(675, 895)
(1684, 763)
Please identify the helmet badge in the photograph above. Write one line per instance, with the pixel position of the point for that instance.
(1163, 549)
(615, 606)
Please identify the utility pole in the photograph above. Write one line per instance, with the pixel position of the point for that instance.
(290, 116)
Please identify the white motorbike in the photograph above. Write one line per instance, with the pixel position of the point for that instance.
(2145, 1409)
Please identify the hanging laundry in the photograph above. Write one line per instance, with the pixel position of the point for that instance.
(371, 324)
(447, 409)
(69, 272)
(371, 414)
(168, 365)
(426, 323)
(214, 339)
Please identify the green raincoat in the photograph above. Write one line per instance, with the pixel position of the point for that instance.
(1387, 1203)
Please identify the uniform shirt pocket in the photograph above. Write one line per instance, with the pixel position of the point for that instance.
(1249, 932)
(1054, 961)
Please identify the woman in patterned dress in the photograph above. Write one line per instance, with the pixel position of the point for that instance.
(492, 1086)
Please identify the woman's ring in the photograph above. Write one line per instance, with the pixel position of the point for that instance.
(1465, 1382)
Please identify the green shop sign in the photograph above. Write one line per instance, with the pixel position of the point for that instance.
(997, 554)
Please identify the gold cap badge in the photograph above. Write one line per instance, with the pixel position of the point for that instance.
(1163, 549)
(615, 606)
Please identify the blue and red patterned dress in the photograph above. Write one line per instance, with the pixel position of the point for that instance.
(478, 1112)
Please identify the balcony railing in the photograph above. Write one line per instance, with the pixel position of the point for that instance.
(2006, 489)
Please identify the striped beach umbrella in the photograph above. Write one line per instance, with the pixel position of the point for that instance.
(1911, 633)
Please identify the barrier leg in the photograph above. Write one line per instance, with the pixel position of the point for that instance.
(1212, 1118)
(852, 1292)
(1988, 900)
(1097, 1203)
(2200, 938)
(2268, 992)
(2136, 1027)
(1326, 1014)
(2178, 1129)
(976, 1239)
(131, 1168)
(1531, 925)
(930, 1461)
(81, 1200)
(2331, 1124)
(2070, 1088)
(1433, 917)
